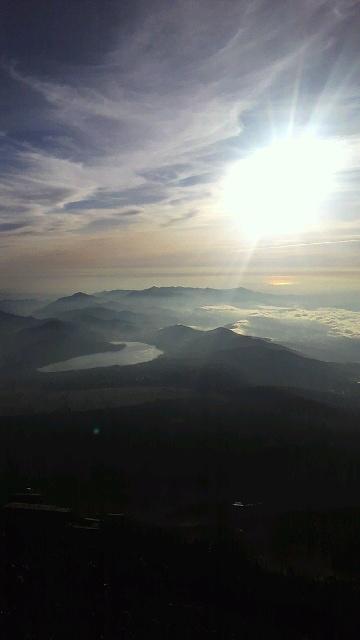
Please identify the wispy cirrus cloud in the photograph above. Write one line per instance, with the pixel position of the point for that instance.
(153, 120)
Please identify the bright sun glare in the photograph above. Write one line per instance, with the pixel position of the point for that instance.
(279, 190)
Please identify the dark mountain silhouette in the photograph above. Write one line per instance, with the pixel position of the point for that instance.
(257, 361)
(155, 292)
(202, 307)
(108, 322)
(100, 313)
(10, 323)
(21, 307)
(76, 301)
(50, 341)
(197, 295)
(216, 358)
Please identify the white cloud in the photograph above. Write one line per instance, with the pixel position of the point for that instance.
(148, 106)
(335, 322)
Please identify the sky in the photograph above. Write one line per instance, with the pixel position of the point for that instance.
(120, 120)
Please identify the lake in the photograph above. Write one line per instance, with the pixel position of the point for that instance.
(133, 353)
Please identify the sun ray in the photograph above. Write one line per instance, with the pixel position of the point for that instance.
(279, 190)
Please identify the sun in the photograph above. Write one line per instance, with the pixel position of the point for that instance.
(279, 190)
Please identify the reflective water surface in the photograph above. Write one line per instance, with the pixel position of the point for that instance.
(132, 353)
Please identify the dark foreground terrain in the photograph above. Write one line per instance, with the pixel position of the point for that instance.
(212, 492)
(241, 520)
(112, 577)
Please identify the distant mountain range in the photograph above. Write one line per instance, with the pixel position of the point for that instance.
(11, 323)
(167, 317)
(108, 322)
(76, 301)
(254, 361)
(21, 307)
(34, 343)
(204, 295)
(156, 306)
(161, 305)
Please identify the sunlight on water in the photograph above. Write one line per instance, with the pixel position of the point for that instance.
(133, 353)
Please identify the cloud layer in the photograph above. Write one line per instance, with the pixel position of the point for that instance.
(132, 120)
(333, 322)
(322, 332)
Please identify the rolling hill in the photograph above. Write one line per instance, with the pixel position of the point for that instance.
(76, 301)
(10, 323)
(50, 341)
(254, 360)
